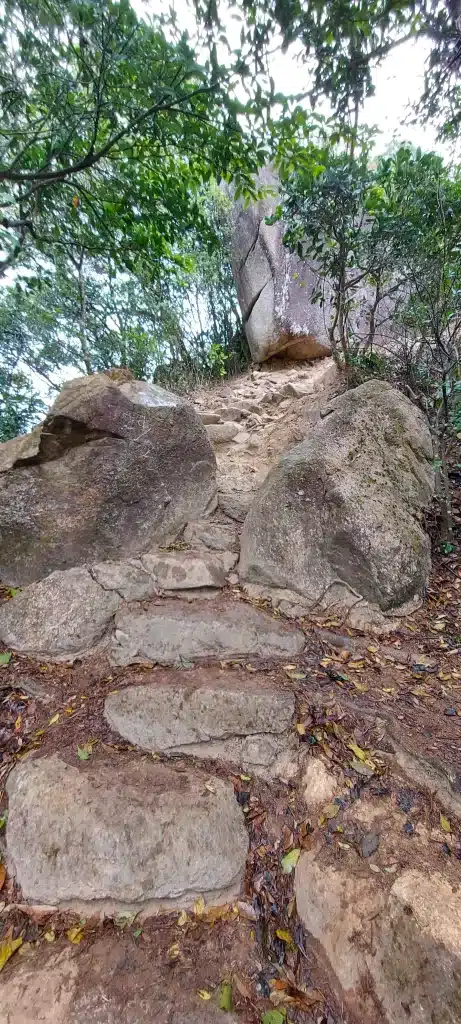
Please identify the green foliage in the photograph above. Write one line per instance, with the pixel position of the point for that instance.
(342, 41)
(108, 133)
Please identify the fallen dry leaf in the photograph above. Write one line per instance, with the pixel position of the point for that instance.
(8, 946)
(75, 934)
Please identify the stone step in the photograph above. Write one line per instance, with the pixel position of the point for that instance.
(169, 631)
(185, 570)
(115, 979)
(69, 613)
(230, 720)
(108, 835)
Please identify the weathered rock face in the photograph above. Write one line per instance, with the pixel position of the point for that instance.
(274, 287)
(403, 940)
(339, 519)
(62, 616)
(172, 631)
(115, 467)
(224, 721)
(137, 834)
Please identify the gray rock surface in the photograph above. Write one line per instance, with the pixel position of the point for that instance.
(221, 433)
(232, 723)
(273, 286)
(128, 578)
(339, 519)
(172, 630)
(133, 833)
(115, 467)
(185, 570)
(215, 536)
(235, 503)
(62, 616)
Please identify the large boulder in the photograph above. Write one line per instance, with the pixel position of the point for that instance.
(393, 947)
(274, 287)
(339, 519)
(112, 835)
(116, 466)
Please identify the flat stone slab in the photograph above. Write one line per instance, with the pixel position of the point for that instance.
(131, 834)
(236, 724)
(62, 616)
(185, 570)
(171, 630)
(128, 578)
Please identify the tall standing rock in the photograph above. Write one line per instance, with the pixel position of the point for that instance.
(339, 519)
(117, 466)
(274, 287)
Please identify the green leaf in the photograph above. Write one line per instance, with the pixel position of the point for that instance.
(225, 996)
(85, 752)
(290, 860)
(274, 1017)
(5, 658)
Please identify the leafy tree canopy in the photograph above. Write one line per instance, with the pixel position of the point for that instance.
(343, 40)
(108, 131)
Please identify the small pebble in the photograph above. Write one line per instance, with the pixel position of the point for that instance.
(450, 712)
(408, 828)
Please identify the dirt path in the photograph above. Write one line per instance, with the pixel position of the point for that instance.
(395, 699)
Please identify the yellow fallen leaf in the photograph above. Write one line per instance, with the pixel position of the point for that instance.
(301, 728)
(355, 664)
(444, 823)
(183, 919)
(362, 755)
(8, 946)
(199, 907)
(174, 952)
(54, 719)
(361, 687)
(420, 691)
(75, 934)
(204, 994)
(284, 936)
(49, 936)
(439, 626)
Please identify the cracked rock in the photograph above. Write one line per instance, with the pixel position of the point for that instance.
(172, 630)
(117, 466)
(227, 722)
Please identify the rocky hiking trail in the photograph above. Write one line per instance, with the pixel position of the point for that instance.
(213, 810)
